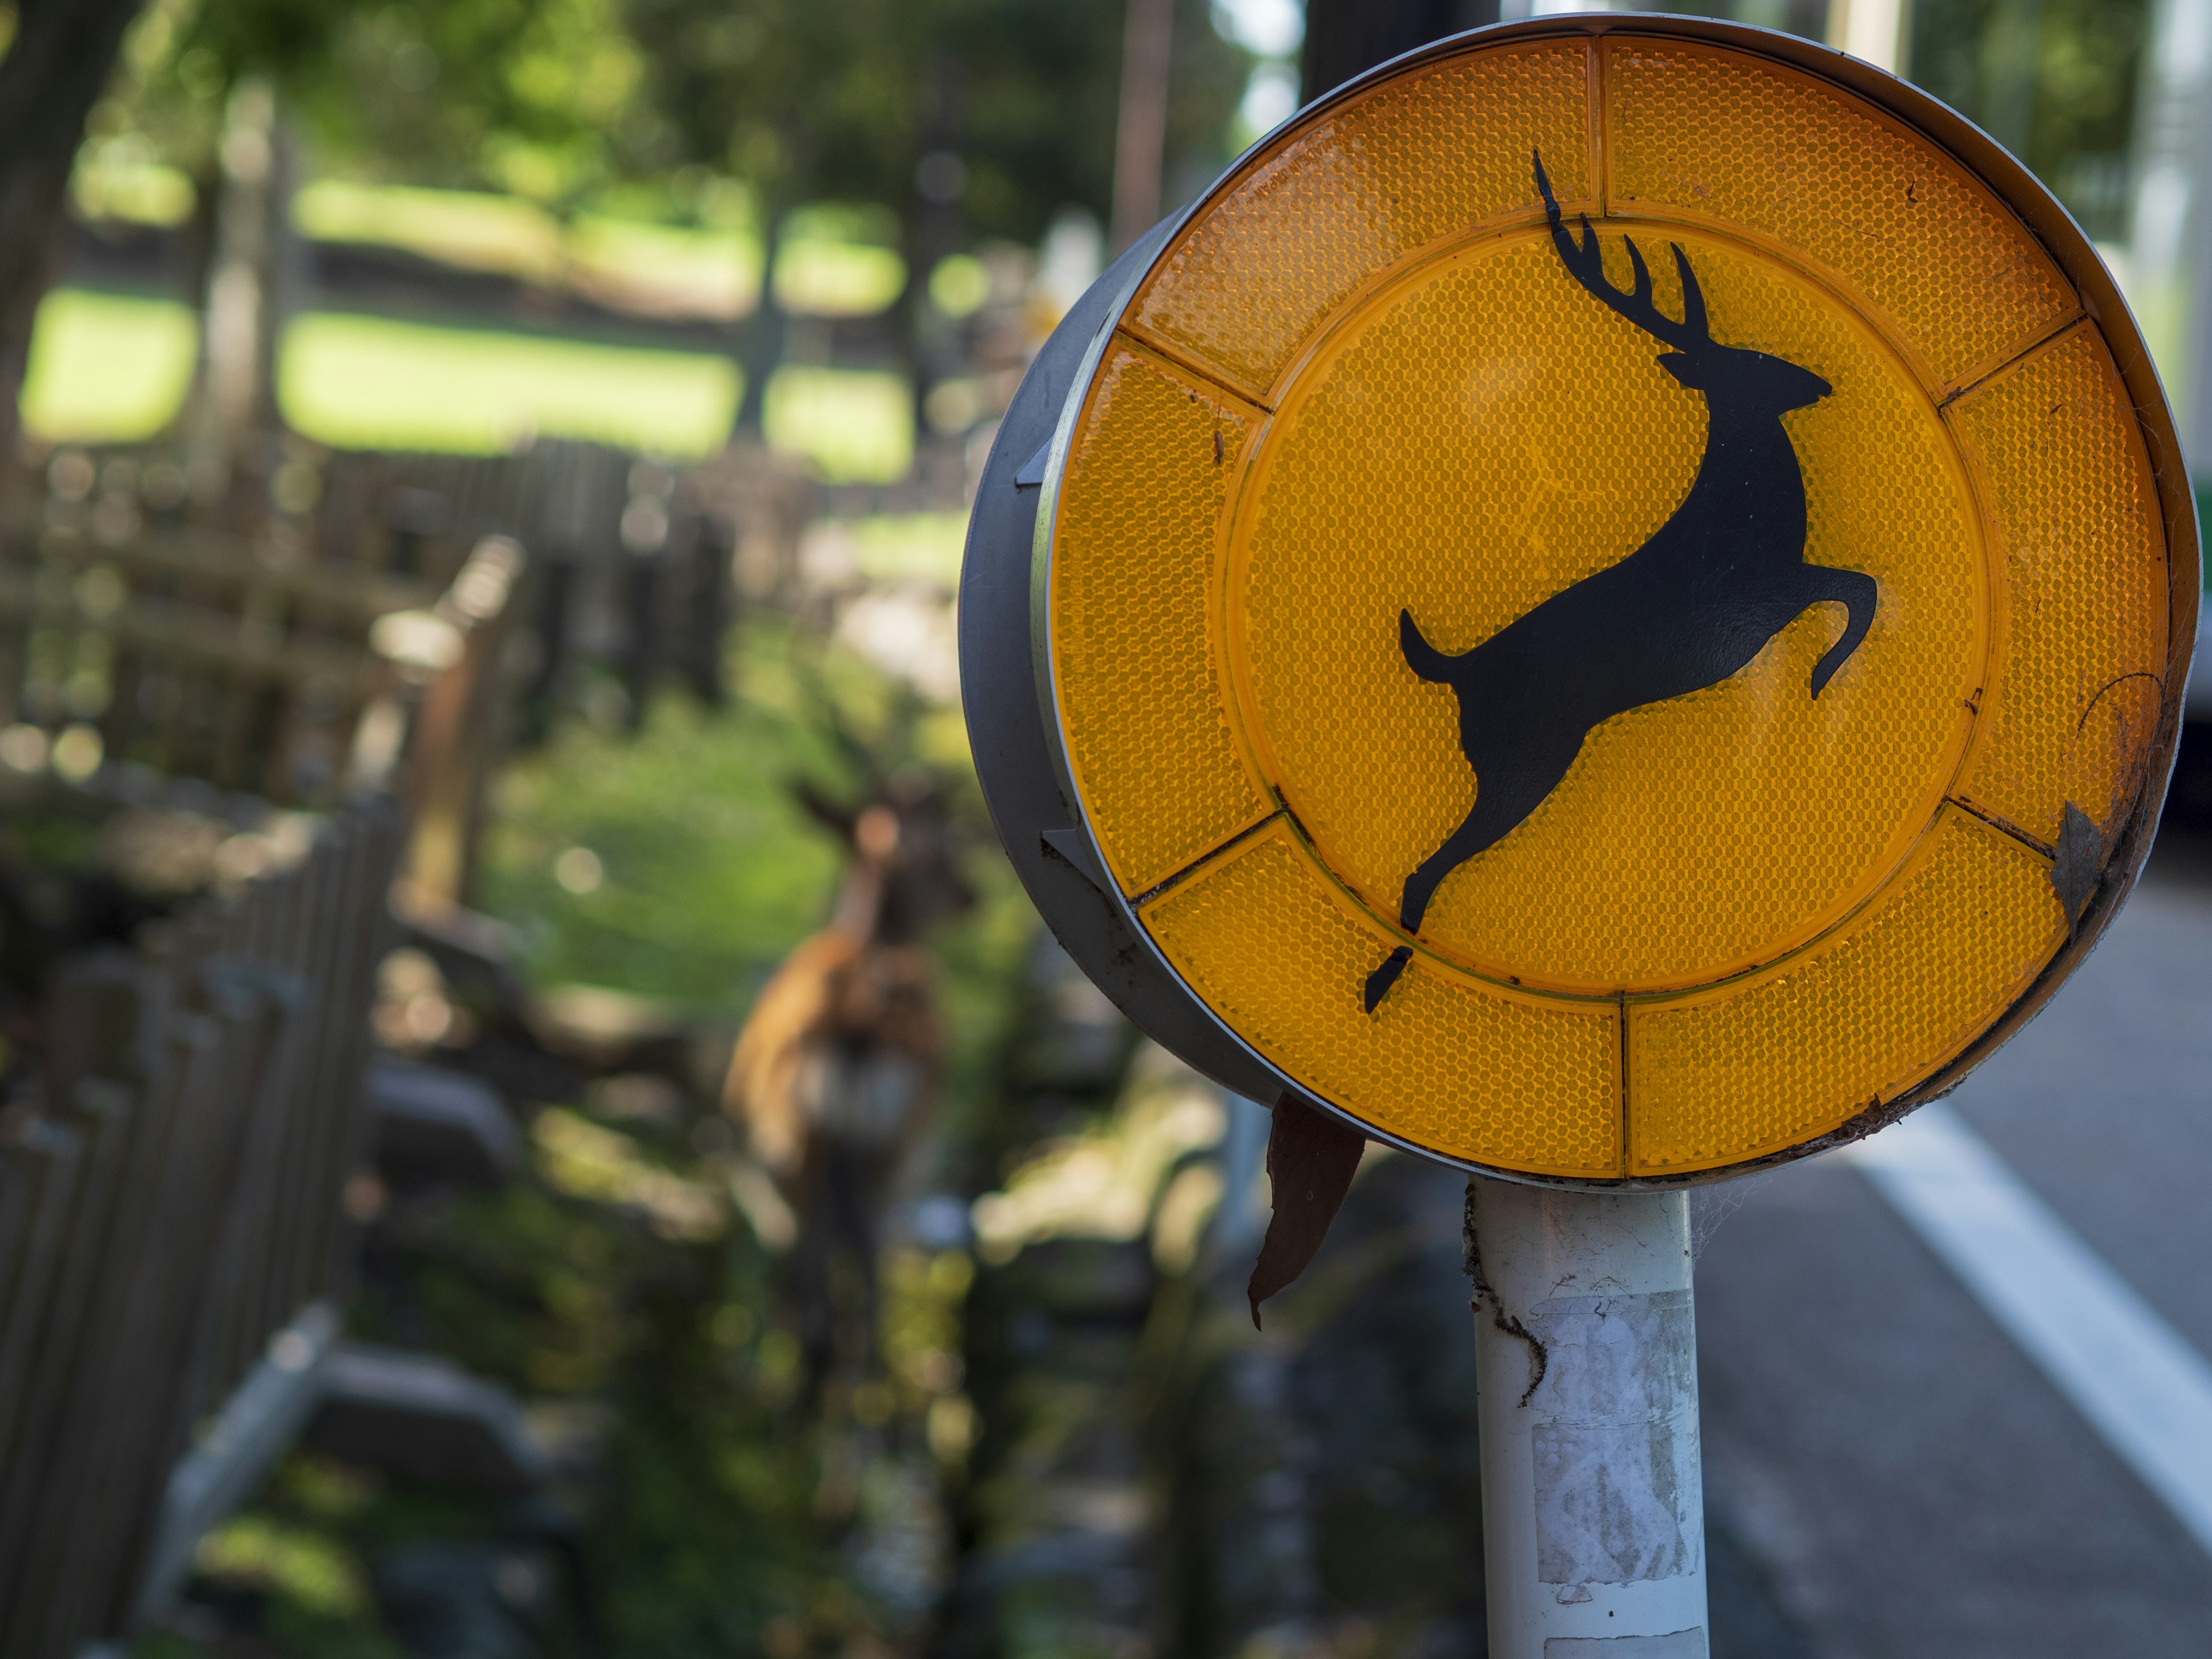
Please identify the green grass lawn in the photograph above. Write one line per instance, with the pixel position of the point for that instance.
(110, 368)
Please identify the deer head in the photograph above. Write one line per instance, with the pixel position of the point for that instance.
(903, 850)
(1749, 382)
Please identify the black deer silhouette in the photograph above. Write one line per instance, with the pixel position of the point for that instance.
(1686, 611)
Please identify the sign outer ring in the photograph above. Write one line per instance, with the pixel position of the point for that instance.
(1141, 980)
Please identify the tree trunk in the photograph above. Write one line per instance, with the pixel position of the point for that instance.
(1140, 133)
(760, 349)
(54, 69)
(929, 231)
(1345, 38)
(252, 282)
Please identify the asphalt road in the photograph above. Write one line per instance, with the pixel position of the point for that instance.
(1887, 1476)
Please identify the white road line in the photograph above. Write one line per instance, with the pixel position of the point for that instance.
(2142, 1389)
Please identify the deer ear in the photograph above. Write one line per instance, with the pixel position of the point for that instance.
(1677, 363)
(836, 819)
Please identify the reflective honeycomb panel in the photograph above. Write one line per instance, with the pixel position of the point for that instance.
(1141, 691)
(1535, 438)
(1726, 1076)
(1419, 158)
(1721, 138)
(1450, 1064)
(2080, 565)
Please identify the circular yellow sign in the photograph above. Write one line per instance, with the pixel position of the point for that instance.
(1608, 604)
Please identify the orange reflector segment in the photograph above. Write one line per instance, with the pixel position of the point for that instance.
(1729, 1075)
(1717, 136)
(2081, 563)
(1417, 161)
(1455, 1068)
(1142, 695)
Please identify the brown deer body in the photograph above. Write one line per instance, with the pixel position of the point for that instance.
(1690, 608)
(836, 1066)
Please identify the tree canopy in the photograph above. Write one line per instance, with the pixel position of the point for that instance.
(567, 101)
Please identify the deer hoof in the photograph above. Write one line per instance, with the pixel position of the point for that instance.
(1380, 982)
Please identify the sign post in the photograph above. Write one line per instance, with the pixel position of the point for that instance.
(1592, 1500)
(1610, 608)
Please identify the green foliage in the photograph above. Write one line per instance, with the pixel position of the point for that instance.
(536, 98)
(674, 107)
(712, 872)
(766, 90)
(615, 1289)
(570, 102)
(808, 100)
(2054, 82)
(700, 1531)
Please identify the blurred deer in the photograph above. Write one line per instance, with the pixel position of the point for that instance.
(1690, 607)
(835, 1070)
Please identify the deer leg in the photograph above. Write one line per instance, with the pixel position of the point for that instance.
(1477, 833)
(1859, 593)
(1512, 793)
(806, 1288)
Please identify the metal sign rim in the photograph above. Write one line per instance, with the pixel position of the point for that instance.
(1020, 777)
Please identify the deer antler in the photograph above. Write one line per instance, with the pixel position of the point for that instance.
(1585, 263)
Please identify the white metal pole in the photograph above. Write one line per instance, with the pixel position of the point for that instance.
(2168, 283)
(1593, 1502)
(1872, 30)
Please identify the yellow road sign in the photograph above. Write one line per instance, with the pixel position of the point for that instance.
(1613, 599)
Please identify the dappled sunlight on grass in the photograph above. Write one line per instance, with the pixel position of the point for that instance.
(857, 427)
(587, 1160)
(837, 279)
(112, 368)
(108, 366)
(306, 1566)
(711, 871)
(475, 228)
(370, 382)
(709, 271)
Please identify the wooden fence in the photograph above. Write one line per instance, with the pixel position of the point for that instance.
(171, 1224)
(235, 643)
(170, 1205)
(174, 1159)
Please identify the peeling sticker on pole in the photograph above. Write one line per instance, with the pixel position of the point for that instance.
(1616, 1440)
